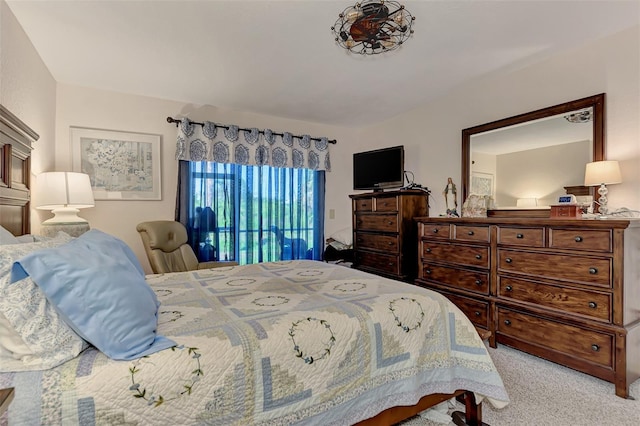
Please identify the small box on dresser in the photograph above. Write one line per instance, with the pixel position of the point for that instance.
(565, 290)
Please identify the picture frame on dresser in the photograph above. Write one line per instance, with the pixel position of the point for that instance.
(121, 165)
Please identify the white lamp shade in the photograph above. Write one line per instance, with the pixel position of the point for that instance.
(63, 193)
(602, 172)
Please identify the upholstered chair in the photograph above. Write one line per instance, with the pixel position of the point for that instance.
(165, 242)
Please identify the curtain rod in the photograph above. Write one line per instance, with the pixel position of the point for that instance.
(177, 122)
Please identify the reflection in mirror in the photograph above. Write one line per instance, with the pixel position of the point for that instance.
(533, 162)
(526, 161)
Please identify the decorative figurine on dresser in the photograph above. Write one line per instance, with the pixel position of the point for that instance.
(562, 289)
(451, 198)
(384, 232)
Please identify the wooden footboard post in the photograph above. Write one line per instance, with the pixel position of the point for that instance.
(473, 412)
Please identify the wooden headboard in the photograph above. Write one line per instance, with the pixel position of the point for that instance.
(15, 172)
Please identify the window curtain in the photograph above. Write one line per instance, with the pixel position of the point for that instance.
(210, 141)
(251, 195)
(251, 214)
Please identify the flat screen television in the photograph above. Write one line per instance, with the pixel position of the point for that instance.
(379, 169)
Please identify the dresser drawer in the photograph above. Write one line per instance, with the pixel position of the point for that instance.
(583, 270)
(459, 254)
(573, 341)
(434, 230)
(471, 233)
(477, 311)
(377, 222)
(587, 303)
(363, 204)
(379, 262)
(457, 278)
(581, 239)
(386, 204)
(387, 243)
(530, 237)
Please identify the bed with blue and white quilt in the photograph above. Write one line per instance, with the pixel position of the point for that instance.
(89, 340)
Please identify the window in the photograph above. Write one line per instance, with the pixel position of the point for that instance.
(252, 214)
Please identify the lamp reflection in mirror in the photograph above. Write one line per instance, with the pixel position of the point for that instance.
(527, 202)
(64, 193)
(602, 173)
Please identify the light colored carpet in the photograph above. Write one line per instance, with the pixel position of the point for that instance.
(546, 394)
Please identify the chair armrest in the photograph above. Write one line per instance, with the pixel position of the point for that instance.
(209, 265)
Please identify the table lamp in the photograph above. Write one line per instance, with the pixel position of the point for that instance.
(602, 173)
(64, 193)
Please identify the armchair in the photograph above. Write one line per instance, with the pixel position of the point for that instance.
(165, 243)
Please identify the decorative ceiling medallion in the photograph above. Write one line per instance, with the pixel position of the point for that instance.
(373, 26)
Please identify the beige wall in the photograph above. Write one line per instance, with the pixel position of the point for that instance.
(28, 90)
(540, 173)
(83, 107)
(432, 134)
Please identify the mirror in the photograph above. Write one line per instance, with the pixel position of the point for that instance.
(526, 161)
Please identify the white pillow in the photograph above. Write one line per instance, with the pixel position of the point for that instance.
(343, 235)
(7, 237)
(48, 339)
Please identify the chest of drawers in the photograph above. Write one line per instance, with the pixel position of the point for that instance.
(384, 232)
(562, 289)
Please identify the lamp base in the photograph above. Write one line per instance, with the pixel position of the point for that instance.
(51, 229)
(65, 215)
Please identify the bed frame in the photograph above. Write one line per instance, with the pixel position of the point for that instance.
(16, 139)
(15, 172)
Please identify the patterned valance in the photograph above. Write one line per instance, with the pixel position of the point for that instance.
(229, 144)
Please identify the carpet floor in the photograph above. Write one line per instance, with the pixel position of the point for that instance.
(542, 393)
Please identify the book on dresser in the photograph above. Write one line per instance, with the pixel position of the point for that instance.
(384, 232)
(562, 289)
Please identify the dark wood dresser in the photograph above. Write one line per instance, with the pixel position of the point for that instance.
(384, 232)
(564, 290)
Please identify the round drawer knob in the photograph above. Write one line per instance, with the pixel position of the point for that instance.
(578, 239)
(595, 347)
(435, 230)
(359, 240)
(508, 260)
(470, 233)
(390, 263)
(428, 250)
(520, 236)
(593, 271)
(508, 288)
(390, 243)
(390, 223)
(427, 271)
(477, 313)
(593, 305)
(507, 322)
(478, 256)
(478, 282)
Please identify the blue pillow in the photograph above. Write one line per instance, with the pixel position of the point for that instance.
(97, 285)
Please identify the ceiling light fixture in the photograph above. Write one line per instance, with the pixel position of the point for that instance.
(373, 26)
(579, 117)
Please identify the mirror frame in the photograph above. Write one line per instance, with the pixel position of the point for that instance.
(597, 102)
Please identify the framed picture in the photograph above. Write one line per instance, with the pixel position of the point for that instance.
(121, 165)
(482, 183)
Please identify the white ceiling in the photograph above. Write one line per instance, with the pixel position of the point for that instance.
(279, 57)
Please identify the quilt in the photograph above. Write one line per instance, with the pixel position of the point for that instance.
(292, 342)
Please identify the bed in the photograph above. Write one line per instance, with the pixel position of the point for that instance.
(293, 342)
